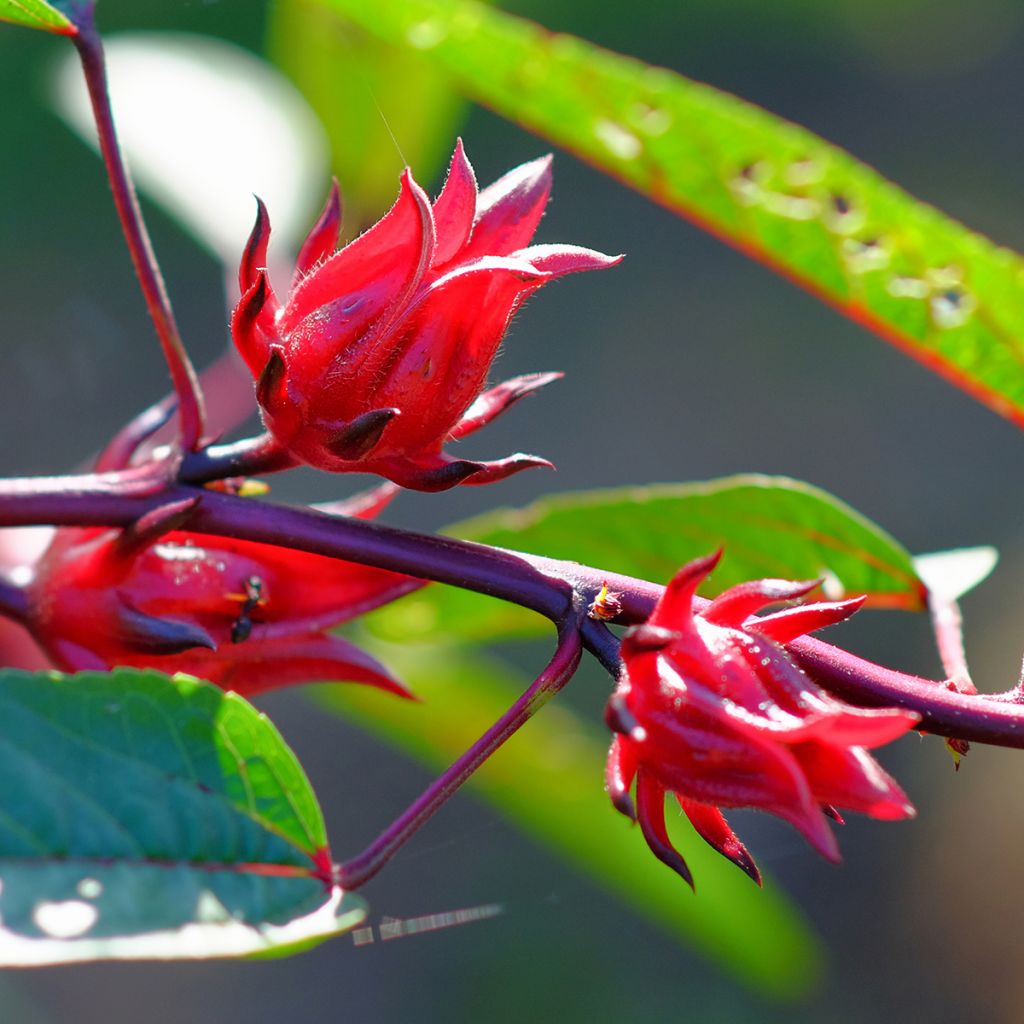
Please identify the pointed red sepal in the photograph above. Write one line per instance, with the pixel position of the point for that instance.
(254, 255)
(364, 505)
(455, 207)
(620, 770)
(509, 211)
(735, 605)
(494, 401)
(712, 827)
(558, 260)
(263, 664)
(787, 625)
(322, 239)
(251, 341)
(650, 798)
(675, 609)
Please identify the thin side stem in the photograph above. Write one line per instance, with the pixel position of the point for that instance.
(351, 874)
(183, 377)
(604, 645)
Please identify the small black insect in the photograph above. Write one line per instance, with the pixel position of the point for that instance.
(253, 597)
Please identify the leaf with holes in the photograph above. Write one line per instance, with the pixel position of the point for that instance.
(143, 817)
(779, 193)
(36, 14)
(767, 526)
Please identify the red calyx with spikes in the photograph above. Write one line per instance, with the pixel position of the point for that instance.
(381, 351)
(711, 708)
(249, 617)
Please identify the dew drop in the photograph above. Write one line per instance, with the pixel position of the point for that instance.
(831, 585)
(951, 307)
(66, 920)
(621, 143)
(89, 889)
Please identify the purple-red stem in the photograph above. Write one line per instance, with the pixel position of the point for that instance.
(183, 377)
(550, 587)
(355, 872)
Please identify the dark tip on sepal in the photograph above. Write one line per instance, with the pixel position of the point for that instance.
(623, 802)
(254, 298)
(742, 859)
(830, 812)
(271, 378)
(323, 237)
(155, 523)
(254, 256)
(645, 638)
(151, 635)
(357, 439)
(619, 718)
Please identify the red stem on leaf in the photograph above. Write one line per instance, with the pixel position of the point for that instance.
(360, 869)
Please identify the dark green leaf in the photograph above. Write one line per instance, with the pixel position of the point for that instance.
(776, 191)
(142, 816)
(548, 780)
(36, 14)
(768, 526)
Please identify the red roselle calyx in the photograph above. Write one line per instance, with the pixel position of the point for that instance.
(711, 708)
(246, 616)
(380, 350)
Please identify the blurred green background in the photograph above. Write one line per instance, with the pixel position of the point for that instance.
(696, 363)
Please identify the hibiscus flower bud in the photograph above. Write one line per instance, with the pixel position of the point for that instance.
(711, 708)
(246, 616)
(374, 359)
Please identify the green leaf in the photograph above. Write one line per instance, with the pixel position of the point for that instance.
(780, 194)
(36, 14)
(768, 526)
(148, 817)
(367, 94)
(547, 780)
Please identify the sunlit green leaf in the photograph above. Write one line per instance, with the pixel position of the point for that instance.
(548, 780)
(382, 106)
(767, 526)
(145, 817)
(942, 293)
(36, 14)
